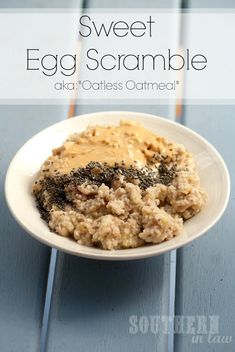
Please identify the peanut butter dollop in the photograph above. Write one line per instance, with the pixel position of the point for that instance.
(129, 143)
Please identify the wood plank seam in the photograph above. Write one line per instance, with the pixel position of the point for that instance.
(47, 305)
(54, 252)
(174, 115)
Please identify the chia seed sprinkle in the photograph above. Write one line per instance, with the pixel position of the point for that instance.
(97, 174)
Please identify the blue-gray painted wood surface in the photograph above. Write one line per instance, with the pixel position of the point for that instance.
(93, 300)
(23, 261)
(154, 4)
(205, 269)
(209, 4)
(40, 4)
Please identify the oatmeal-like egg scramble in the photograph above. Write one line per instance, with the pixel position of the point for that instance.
(117, 187)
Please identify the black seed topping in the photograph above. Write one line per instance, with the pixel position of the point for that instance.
(97, 174)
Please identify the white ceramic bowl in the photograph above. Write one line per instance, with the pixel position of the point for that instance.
(26, 163)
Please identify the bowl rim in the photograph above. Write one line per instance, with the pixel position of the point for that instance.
(120, 254)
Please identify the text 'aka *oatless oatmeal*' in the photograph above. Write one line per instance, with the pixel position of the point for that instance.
(117, 187)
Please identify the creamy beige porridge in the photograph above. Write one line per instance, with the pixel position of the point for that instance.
(117, 187)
